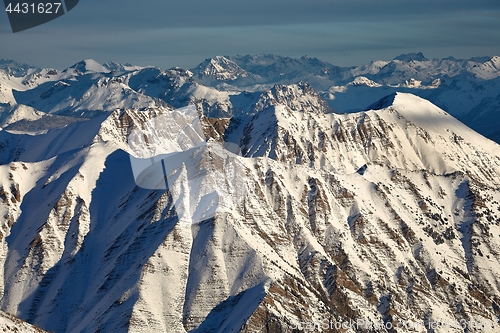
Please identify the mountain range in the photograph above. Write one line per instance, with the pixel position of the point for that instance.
(366, 199)
(223, 86)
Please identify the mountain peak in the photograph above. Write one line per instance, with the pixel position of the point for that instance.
(220, 68)
(411, 101)
(16, 69)
(300, 96)
(114, 65)
(89, 66)
(407, 57)
(424, 114)
(408, 105)
(363, 81)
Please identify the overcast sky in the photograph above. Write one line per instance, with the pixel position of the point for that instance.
(183, 33)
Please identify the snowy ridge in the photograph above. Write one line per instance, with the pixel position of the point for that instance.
(22, 118)
(405, 123)
(9, 323)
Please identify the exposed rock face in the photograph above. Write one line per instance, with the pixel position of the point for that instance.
(215, 128)
(386, 216)
(297, 97)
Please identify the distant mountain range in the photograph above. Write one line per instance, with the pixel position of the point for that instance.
(457, 86)
(224, 86)
(387, 216)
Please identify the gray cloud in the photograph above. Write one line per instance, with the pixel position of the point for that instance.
(131, 14)
(221, 13)
(184, 32)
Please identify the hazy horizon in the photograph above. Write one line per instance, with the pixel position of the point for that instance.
(183, 34)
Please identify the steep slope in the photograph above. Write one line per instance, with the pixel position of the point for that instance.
(295, 96)
(344, 143)
(6, 96)
(388, 215)
(9, 323)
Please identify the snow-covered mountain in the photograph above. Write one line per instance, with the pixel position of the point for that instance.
(177, 87)
(15, 69)
(297, 97)
(411, 57)
(22, 76)
(87, 66)
(84, 96)
(456, 85)
(261, 72)
(87, 89)
(387, 215)
(390, 214)
(277, 69)
(221, 68)
(231, 85)
(408, 66)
